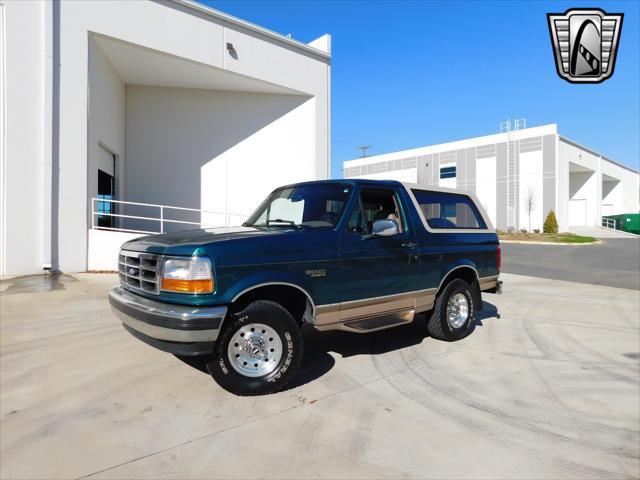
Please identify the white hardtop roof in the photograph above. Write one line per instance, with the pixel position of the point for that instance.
(432, 188)
(192, 5)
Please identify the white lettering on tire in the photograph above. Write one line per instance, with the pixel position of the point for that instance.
(223, 367)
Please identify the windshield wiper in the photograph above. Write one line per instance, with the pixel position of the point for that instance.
(284, 224)
(279, 220)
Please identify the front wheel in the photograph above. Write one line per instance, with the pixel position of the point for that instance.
(259, 350)
(453, 315)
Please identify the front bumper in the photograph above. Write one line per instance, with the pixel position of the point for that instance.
(178, 329)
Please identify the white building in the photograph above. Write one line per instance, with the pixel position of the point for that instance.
(169, 103)
(505, 170)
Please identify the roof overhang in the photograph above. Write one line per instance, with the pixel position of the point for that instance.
(138, 65)
(593, 152)
(217, 14)
(609, 178)
(577, 168)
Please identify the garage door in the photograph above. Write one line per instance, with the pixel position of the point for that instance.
(607, 209)
(578, 213)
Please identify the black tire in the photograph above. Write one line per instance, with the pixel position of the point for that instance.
(279, 319)
(438, 325)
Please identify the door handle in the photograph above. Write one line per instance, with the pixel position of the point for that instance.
(409, 244)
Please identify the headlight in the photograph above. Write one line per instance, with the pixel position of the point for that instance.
(188, 275)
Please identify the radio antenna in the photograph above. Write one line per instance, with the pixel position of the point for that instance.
(364, 149)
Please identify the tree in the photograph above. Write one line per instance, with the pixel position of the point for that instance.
(530, 202)
(550, 224)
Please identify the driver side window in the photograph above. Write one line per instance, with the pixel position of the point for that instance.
(356, 223)
(374, 204)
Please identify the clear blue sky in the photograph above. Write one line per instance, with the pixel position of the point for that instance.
(409, 74)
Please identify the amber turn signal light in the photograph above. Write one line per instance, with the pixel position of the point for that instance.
(187, 275)
(187, 286)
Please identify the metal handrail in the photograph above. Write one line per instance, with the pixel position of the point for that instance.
(125, 230)
(609, 223)
(153, 205)
(160, 218)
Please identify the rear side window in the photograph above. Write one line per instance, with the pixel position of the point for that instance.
(448, 210)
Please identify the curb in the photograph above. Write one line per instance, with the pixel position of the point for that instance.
(566, 244)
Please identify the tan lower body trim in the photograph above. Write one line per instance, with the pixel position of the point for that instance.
(374, 306)
(487, 283)
(373, 323)
(425, 299)
(327, 314)
(333, 314)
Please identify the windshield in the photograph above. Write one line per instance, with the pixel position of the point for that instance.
(314, 206)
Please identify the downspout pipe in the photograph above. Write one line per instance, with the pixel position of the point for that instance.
(48, 135)
(51, 159)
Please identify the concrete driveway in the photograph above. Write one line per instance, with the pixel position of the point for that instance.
(550, 388)
(601, 232)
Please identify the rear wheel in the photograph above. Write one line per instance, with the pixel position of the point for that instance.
(259, 350)
(453, 315)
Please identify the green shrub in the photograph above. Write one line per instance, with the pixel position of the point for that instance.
(551, 223)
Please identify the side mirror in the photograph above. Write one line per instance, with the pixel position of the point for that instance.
(385, 228)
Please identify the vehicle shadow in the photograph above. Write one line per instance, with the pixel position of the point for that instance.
(489, 310)
(198, 363)
(317, 361)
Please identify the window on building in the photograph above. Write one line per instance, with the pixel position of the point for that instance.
(106, 191)
(448, 210)
(448, 172)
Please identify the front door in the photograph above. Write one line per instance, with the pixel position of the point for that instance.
(578, 212)
(379, 273)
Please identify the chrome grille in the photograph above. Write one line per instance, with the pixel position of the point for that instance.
(139, 271)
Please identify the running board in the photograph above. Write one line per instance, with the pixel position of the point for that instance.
(380, 322)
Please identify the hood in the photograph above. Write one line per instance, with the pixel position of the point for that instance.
(184, 242)
(243, 246)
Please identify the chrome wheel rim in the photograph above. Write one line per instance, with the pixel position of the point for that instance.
(255, 350)
(457, 310)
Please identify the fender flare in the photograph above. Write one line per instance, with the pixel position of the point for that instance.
(465, 263)
(259, 280)
(268, 284)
